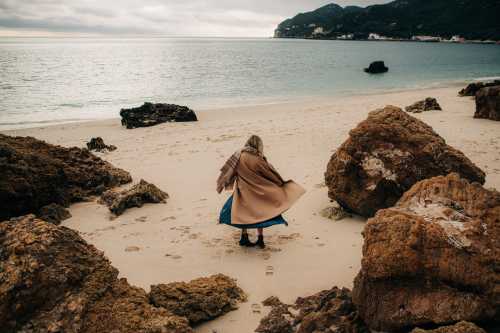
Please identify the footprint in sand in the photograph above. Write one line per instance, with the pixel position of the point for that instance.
(141, 219)
(168, 218)
(269, 270)
(256, 308)
(132, 249)
(173, 256)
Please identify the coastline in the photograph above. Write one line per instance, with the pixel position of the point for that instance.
(257, 103)
(181, 240)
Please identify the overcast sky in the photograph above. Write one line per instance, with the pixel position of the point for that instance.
(250, 18)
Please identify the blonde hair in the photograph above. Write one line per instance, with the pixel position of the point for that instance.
(255, 142)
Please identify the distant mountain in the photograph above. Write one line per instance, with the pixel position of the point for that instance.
(472, 19)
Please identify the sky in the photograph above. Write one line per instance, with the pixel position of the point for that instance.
(229, 18)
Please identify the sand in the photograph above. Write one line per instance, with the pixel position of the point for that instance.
(181, 240)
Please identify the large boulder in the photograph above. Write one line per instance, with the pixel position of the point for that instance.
(51, 280)
(433, 258)
(199, 300)
(377, 67)
(428, 104)
(329, 311)
(150, 114)
(139, 194)
(473, 88)
(461, 327)
(35, 174)
(384, 156)
(488, 103)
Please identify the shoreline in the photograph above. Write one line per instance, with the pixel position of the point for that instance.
(280, 101)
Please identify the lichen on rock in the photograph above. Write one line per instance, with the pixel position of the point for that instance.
(387, 154)
(433, 258)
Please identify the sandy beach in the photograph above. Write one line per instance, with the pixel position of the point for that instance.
(181, 240)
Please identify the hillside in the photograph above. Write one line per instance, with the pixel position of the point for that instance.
(472, 19)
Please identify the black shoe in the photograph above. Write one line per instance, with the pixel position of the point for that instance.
(244, 241)
(260, 242)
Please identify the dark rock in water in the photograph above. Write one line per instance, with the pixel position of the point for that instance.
(51, 280)
(387, 154)
(98, 144)
(326, 312)
(137, 196)
(488, 103)
(150, 114)
(433, 258)
(377, 67)
(428, 104)
(461, 327)
(473, 88)
(200, 300)
(35, 174)
(53, 213)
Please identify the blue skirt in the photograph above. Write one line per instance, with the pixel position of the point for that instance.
(225, 218)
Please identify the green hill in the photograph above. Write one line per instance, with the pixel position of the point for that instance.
(472, 19)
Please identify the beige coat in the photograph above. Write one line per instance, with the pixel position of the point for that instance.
(260, 193)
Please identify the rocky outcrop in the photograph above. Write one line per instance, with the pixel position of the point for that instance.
(461, 327)
(387, 154)
(51, 280)
(473, 88)
(198, 300)
(330, 311)
(136, 196)
(432, 259)
(150, 114)
(35, 174)
(377, 67)
(53, 213)
(428, 104)
(488, 103)
(97, 144)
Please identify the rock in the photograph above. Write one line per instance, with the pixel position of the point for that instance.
(98, 144)
(150, 114)
(136, 196)
(35, 174)
(335, 212)
(387, 154)
(330, 311)
(432, 259)
(199, 300)
(488, 103)
(377, 67)
(461, 327)
(428, 104)
(473, 88)
(51, 280)
(53, 213)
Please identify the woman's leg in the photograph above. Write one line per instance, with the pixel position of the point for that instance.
(260, 239)
(244, 241)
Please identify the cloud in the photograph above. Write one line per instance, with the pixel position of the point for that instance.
(156, 17)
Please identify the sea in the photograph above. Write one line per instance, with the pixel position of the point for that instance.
(56, 80)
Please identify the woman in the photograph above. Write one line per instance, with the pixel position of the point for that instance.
(260, 194)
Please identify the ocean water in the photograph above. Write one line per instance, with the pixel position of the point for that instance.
(51, 80)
